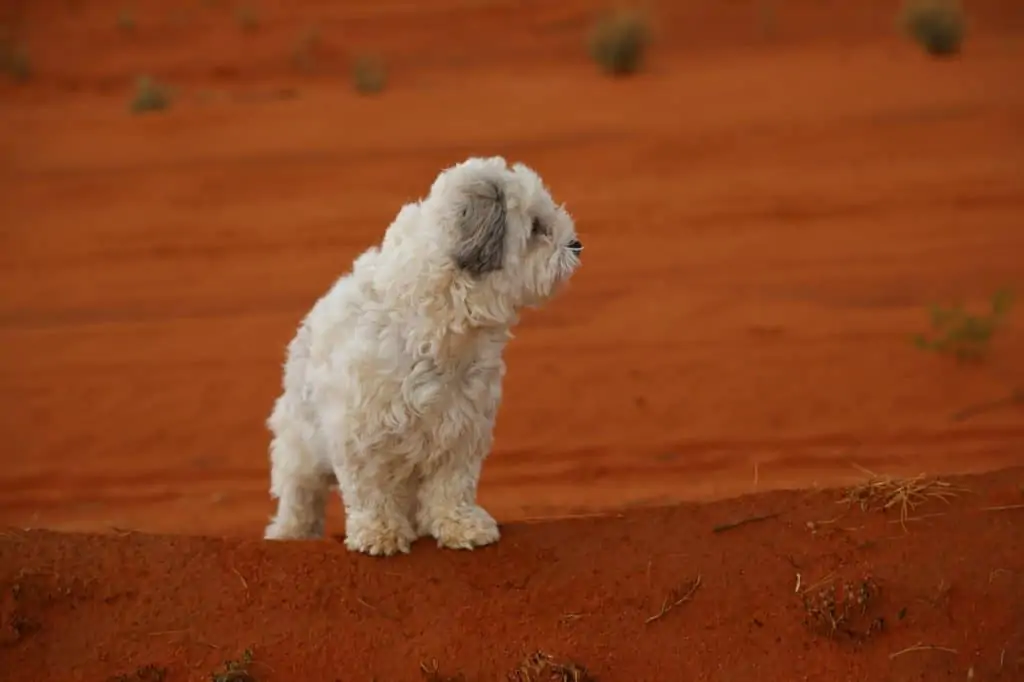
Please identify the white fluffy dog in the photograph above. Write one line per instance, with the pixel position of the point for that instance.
(393, 380)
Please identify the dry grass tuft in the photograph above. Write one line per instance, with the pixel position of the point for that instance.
(619, 40)
(882, 493)
(965, 335)
(541, 667)
(236, 670)
(369, 74)
(937, 25)
(126, 20)
(150, 96)
(835, 608)
(305, 50)
(248, 17)
(14, 59)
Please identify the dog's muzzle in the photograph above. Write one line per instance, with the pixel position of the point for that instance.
(575, 246)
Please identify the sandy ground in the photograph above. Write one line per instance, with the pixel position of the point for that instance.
(767, 210)
(680, 593)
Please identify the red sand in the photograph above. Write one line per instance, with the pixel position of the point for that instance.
(767, 213)
(83, 607)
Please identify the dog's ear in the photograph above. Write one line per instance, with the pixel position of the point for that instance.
(481, 229)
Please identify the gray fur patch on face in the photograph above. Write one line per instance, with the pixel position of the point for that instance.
(482, 225)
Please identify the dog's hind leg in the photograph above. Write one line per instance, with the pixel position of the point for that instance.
(299, 483)
(301, 494)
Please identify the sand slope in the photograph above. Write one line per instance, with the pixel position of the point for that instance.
(92, 606)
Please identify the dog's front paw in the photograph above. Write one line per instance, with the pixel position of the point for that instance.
(277, 531)
(465, 528)
(379, 538)
(285, 527)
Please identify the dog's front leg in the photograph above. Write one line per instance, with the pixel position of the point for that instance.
(378, 499)
(447, 504)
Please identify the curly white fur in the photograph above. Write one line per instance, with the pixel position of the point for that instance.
(393, 380)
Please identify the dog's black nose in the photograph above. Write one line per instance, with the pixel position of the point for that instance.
(575, 246)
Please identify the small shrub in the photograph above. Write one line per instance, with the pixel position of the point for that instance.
(767, 18)
(369, 75)
(150, 96)
(619, 41)
(180, 16)
(937, 25)
(14, 60)
(961, 334)
(304, 53)
(125, 20)
(248, 18)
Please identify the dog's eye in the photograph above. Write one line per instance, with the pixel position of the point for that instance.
(538, 228)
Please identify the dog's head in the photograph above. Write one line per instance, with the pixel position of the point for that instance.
(510, 244)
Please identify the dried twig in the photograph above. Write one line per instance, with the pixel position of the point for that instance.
(566, 517)
(722, 527)
(821, 583)
(919, 517)
(240, 577)
(1005, 507)
(432, 673)
(375, 609)
(997, 571)
(1016, 397)
(921, 646)
(674, 600)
